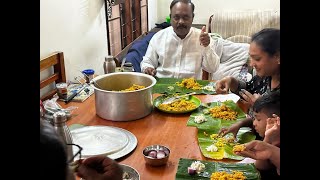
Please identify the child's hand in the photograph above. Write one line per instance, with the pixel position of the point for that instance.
(272, 134)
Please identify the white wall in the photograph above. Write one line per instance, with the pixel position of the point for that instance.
(204, 8)
(76, 27)
(152, 13)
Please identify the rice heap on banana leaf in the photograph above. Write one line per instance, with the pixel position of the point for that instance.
(189, 83)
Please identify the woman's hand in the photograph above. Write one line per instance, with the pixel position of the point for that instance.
(262, 151)
(223, 85)
(248, 97)
(257, 150)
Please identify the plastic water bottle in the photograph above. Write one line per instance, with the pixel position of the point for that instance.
(59, 124)
(109, 65)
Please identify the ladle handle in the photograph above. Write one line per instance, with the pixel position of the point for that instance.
(95, 83)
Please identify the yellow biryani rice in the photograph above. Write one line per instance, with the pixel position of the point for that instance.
(189, 83)
(236, 175)
(223, 112)
(238, 148)
(180, 105)
(133, 88)
(218, 140)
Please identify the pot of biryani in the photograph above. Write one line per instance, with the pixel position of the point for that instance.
(123, 96)
(184, 104)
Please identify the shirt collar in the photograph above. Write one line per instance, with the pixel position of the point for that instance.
(177, 37)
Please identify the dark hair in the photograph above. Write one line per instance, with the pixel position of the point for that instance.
(183, 1)
(268, 39)
(269, 102)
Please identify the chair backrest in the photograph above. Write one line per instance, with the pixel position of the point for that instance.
(56, 60)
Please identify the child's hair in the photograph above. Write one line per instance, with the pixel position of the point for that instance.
(270, 103)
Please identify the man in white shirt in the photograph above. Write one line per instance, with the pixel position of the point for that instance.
(180, 51)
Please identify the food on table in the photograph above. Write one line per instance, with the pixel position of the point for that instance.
(126, 176)
(230, 139)
(152, 154)
(223, 112)
(200, 119)
(196, 167)
(205, 111)
(212, 148)
(225, 144)
(205, 134)
(189, 83)
(159, 154)
(224, 175)
(208, 88)
(170, 88)
(179, 105)
(133, 88)
(218, 140)
(238, 148)
(214, 136)
(191, 171)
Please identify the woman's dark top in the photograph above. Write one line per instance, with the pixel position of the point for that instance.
(259, 85)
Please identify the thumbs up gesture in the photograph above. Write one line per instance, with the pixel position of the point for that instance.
(204, 37)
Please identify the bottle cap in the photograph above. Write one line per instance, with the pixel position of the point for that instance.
(59, 117)
(88, 71)
(109, 58)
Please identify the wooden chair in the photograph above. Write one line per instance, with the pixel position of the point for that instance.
(56, 61)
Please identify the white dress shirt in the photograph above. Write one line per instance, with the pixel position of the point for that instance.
(174, 57)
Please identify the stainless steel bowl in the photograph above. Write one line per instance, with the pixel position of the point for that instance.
(155, 161)
(129, 173)
(114, 105)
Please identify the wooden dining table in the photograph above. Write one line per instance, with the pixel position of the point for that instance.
(166, 129)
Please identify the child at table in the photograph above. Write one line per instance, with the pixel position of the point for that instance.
(267, 124)
(266, 117)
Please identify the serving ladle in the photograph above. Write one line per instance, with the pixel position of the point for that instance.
(92, 81)
(176, 98)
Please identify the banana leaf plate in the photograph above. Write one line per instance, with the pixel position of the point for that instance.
(211, 121)
(249, 170)
(169, 86)
(161, 98)
(244, 135)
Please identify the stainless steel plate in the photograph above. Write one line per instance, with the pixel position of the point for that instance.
(104, 140)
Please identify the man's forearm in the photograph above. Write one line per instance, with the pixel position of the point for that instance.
(211, 61)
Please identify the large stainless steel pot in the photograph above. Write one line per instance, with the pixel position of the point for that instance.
(111, 104)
